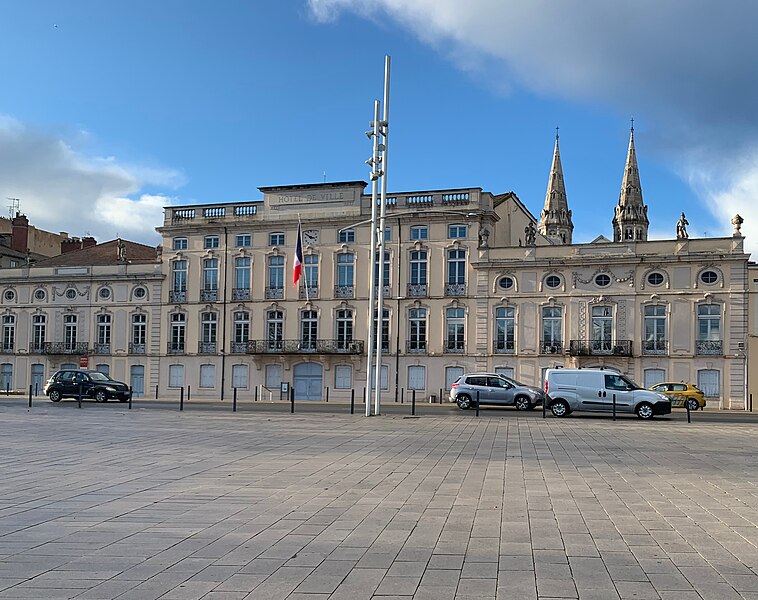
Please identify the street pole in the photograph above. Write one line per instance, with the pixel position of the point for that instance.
(382, 212)
(374, 163)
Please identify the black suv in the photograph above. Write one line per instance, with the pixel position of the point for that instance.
(94, 384)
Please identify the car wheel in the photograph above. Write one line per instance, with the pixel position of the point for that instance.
(101, 396)
(645, 411)
(692, 404)
(463, 401)
(55, 396)
(559, 408)
(522, 403)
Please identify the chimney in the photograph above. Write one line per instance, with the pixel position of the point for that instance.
(88, 242)
(70, 244)
(20, 239)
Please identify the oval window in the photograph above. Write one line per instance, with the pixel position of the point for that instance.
(553, 281)
(140, 292)
(602, 280)
(655, 279)
(10, 294)
(709, 277)
(104, 293)
(505, 282)
(70, 294)
(39, 295)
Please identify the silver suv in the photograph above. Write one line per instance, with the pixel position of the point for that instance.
(494, 389)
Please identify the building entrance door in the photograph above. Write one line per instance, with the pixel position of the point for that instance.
(308, 381)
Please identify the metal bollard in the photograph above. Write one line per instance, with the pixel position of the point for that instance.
(181, 398)
(327, 393)
(80, 395)
(440, 396)
(614, 407)
(413, 403)
(751, 402)
(256, 393)
(188, 393)
(156, 391)
(364, 394)
(7, 388)
(36, 389)
(234, 401)
(544, 407)
(477, 403)
(352, 402)
(131, 395)
(687, 406)
(402, 395)
(292, 399)
(30, 396)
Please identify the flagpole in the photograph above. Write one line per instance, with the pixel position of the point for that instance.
(375, 174)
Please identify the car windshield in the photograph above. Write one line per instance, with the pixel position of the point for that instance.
(98, 376)
(629, 382)
(512, 381)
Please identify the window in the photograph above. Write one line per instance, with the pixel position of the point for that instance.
(384, 378)
(343, 377)
(210, 242)
(346, 236)
(456, 231)
(345, 270)
(418, 267)
(276, 272)
(419, 233)
(104, 293)
(240, 376)
(417, 330)
(70, 293)
(653, 377)
(241, 327)
(276, 239)
(602, 328)
(505, 283)
(456, 267)
(273, 377)
(308, 330)
(505, 330)
(140, 293)
(387, 233)
(553, 281)
(602, 280)
(207, 376)
(386, 278)
(104, 332)
(417, 377)
(178, 329)
(180, 244)
(654, 336)
(552, 329)
(274, 329)
(243, 240)
(506, 372)
(70, 323)
(385, 331)
(242, 273)
(210, 274)
(6, 376)
(310, 270)
(709, 329)
(179, 275)
(39, 326)
(655, 279)
(709, 277)
(455, 336)
(451, 376)
(10, 295)
(208, 329)
(139, 330)
(40, 295)
(709, 380)
(9, 333)
(344, 328)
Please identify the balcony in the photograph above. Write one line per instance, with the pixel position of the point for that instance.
(600, 348)
(504, 347)
(37, 348)
(240, 294)
(299, 347)
(454, 347)
(415, 346)
(6, 349)
(207, 347)
(274, 293)
(387, 291)
(551, 347)
(104, 349)
(177, 296)
(66, 348)
(312, 293)
(344, 291)
(654, 347)
(417, 290)
(208, 295)
(455, 289)
(137, 348)
(175, 348)
(709, 347)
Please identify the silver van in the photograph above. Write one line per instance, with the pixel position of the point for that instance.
(594, 390)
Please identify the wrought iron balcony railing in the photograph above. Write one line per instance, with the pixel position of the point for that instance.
(600, 348)
(713, 347)
(415, 346)
(312, 293)
(6, 349)
(654, 346)
(551, 347)
(66, 348)
(504, 347)
(454, 347)
(206, 347)
(101, 349)
(344, 291)
(175, 348)
(240, 294)
(299, 347)
(274, 293)
(417, 290)
(455, 289)
(137, 348)
(37, 348)
(208, 295)
(387, 293)
(177, 296)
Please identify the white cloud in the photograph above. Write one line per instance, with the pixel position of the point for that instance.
(62, 189)
(683, 67)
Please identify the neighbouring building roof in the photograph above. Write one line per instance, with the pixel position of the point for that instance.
(113, 252)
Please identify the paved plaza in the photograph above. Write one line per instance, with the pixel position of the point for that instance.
(103, 503)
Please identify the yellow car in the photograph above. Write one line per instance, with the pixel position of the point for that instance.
(682, 394)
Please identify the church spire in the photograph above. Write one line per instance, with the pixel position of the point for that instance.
(555, 218)
(630, 220)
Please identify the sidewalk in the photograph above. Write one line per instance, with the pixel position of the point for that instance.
(110, 503)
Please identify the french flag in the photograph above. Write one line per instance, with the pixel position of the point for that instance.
(297, 266)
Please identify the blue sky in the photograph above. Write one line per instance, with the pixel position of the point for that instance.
(111, 110)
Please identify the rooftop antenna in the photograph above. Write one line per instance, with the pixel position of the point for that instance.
(14, 206)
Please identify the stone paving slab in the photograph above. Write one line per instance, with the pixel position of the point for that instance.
(110, 503)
